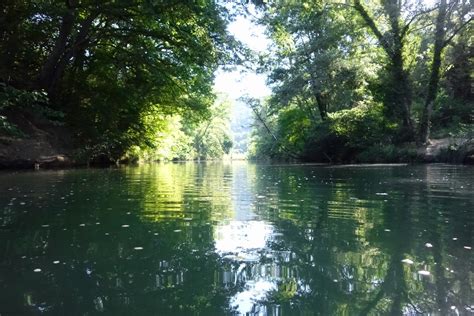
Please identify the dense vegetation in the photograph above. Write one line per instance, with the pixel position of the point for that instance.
(351, 81)
(127, 78)
(364, 81)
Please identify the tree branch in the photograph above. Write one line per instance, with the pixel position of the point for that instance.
(371, 24)
(413, 18)
(456, 31)
(267, 128)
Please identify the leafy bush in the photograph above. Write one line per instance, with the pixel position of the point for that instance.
(294, 128)
(449, 112)
(35, 103)
(11, 97)
(362, 125)
(347, 133)
(8, 128)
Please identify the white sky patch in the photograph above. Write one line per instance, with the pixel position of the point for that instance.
(241, 236)
(428, 3)
(249, 33)
(243, 82)
(237, 83)
(254, 291)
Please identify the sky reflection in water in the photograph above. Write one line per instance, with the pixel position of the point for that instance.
(238, 238)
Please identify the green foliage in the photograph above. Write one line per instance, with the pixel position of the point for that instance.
(32, 103)
(134, 78)
(337, 97)
(317, 64)
(348, 132)
(185, 137)
(388, 153)
(294, 128)
(451, 114)
(8, 128)
(168, 141)
(264, 143)
(286, 291)
(211, 138)
(361, 126)
(117, 70)
(11, 97)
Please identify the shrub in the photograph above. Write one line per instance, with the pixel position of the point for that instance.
(33, 103)
(346, 133)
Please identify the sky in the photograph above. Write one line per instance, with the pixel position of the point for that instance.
(235, 83)
(240, 82)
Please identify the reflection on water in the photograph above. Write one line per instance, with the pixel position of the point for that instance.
(213, 239)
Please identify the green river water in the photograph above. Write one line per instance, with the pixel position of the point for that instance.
(238, 238)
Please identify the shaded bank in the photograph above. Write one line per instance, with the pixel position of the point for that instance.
(48, 151)
(118, 76)
(39, 144)
(445, 150)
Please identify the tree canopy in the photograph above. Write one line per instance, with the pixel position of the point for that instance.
(348, 77)
(116, 69)
(135, 77)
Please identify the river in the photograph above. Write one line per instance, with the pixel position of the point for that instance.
(237, 238)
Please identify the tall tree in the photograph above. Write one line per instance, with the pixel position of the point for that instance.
(441, 40)
(313, 65)
(398, 91)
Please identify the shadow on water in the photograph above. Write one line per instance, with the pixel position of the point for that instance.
(213, 239)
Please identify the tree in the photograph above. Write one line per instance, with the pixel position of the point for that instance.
(398, 93)
(109, 65)
(399, 88)
(441, 41)
(325, 68)
(314, 65)
(211, 138)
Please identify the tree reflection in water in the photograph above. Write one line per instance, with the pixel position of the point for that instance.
(238, 238)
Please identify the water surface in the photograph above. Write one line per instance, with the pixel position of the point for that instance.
(237, 238)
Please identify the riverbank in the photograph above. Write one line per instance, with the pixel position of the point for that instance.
(37, 144)
(42, 145)
(454, 150)
(47, 148)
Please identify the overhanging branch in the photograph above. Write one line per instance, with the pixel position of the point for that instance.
(373, 27)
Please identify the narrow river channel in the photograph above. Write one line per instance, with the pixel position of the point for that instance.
(237, 238)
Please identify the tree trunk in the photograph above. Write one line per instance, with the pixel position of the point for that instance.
(78, 47)
(319, 97)
(322, 105)
(398, 94)
(400, 89)
(424, 128)
(47, 73)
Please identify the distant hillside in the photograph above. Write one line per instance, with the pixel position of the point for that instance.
(241, 121)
